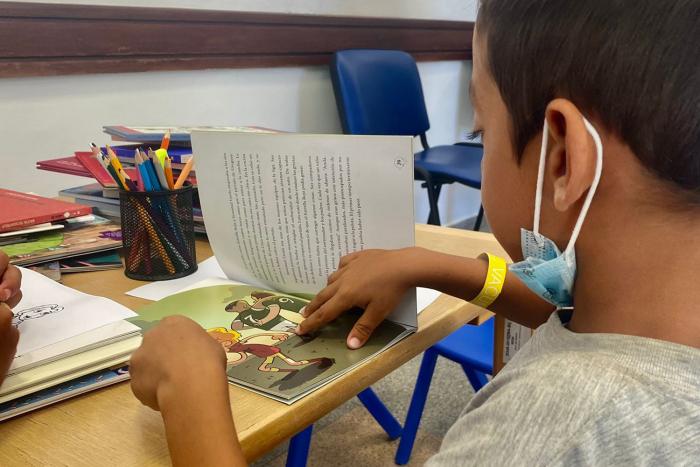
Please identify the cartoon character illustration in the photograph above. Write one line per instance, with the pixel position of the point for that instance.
(238, 350)
(35, 313)
(269, 312)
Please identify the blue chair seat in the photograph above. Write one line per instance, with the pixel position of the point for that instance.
(471, 346)
(457, 163)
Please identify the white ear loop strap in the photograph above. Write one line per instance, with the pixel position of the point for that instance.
(594, 185)
(540, 179)
(589, 197)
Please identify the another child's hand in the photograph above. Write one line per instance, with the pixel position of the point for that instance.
(374, 280)
(9, 336)
(10, 282)
(176, 357)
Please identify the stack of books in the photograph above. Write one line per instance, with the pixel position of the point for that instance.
(103, 196)
(50, 235)
(70, 343)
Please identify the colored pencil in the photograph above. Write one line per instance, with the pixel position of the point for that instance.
(169, 173)
(166, 140)
(158, 168)
(185, 172)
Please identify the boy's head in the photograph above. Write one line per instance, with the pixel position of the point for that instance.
(630, 67)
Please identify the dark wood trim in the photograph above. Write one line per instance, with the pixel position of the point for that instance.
(49, 39)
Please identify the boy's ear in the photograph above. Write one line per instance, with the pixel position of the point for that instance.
(571, 161)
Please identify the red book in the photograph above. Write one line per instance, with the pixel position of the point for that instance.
(90, 162)
(72, 166)
(65, 165)
(22, 210)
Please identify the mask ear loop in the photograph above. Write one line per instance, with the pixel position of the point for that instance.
(591, 191)
(540, 181)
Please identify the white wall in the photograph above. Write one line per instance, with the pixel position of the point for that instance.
(458, 10)
(42, 118)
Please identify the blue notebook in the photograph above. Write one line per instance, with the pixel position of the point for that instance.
(177, 154)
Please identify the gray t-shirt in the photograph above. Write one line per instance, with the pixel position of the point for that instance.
(583, 399)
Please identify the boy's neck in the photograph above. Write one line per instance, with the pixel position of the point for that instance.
(639, 278)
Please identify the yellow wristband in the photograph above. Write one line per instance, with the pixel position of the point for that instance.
(495, 278)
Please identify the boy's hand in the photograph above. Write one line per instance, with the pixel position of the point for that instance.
(9, 336)
(374, 280)
(10, 282)
(177, 358)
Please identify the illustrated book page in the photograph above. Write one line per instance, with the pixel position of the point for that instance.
(255, 327)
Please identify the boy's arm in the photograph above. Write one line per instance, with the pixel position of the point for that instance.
(198, 423)
(376, 281)
(181, 371)
(464, 278)
(9, 336)
(10, 295)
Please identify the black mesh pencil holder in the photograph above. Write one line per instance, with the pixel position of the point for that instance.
(158, 234)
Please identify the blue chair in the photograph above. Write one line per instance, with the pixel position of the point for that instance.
(379, 92)
(471, 347)
(299, 444)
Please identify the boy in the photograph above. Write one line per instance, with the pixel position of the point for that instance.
(586, 104)
(10, 295)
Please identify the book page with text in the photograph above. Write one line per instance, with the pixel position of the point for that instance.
(282, 209)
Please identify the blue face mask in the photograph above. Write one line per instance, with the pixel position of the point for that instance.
(546, 270)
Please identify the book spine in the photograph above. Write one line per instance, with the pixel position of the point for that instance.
(30, 221)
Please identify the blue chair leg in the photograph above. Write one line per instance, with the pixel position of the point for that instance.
(415, 410)
(380, 413)
(479, 218)
(298, 452)
(477, 379)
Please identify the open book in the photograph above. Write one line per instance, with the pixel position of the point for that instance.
(280, 210)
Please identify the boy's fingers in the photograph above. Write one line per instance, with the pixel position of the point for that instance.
(323, 315)
(365, 326)
(322, 297)
(5, 315)
(347, 259)
(4, 262)
(335, 276)
(11, 281)
(14, 300)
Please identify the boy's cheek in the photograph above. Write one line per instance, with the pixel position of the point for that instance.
(502, 193)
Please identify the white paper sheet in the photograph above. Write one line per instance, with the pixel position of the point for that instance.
(426, 297)
(50, 312)
(208, 269)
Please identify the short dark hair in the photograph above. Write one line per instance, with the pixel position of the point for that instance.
(632, 64)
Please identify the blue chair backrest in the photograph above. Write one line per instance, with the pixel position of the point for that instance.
(378, 92)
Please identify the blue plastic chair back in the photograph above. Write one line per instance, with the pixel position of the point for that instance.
(379, 92)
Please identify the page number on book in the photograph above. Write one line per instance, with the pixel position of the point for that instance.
(400, 162)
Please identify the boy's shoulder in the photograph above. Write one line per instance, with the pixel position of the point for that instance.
(567, 398)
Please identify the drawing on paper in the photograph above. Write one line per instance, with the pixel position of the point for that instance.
(270, 312)
(35, 312)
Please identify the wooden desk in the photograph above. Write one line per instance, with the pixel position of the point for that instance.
(110, 427)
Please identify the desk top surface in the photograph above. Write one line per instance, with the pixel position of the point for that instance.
(111, 427)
